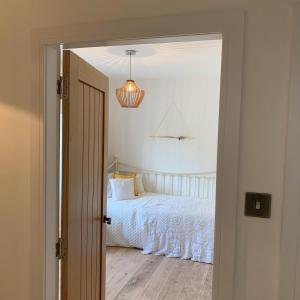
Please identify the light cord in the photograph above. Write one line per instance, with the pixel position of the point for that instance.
(130, 66)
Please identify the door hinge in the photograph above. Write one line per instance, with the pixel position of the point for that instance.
(60, 249)
(62, 87)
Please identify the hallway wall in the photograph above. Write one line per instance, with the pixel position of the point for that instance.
(263, 126)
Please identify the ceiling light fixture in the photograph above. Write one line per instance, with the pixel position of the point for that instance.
(129, 95)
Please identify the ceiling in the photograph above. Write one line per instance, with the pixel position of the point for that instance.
(189, 59)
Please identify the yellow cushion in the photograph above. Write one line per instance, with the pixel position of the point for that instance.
(127, 176)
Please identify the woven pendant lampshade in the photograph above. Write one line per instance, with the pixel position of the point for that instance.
(130, 95)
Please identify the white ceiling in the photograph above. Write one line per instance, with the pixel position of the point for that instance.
(191, 59)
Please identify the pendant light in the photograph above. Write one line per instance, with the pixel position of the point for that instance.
(129, 95)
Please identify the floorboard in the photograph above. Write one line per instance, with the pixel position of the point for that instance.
(134, 276)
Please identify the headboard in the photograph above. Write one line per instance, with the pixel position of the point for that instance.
(201, 185)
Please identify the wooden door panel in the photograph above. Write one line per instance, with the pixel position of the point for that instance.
(90, 187)
(99, 208)
(83, 273)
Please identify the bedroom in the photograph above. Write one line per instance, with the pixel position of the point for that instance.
(170, 143)
(162, 159)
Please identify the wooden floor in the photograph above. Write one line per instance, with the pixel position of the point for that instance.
(132, 275)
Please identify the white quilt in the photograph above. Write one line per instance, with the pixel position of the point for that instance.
(174, 226)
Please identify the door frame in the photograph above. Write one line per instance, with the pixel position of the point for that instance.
(230, 24)
(290, 230)
(52, 112)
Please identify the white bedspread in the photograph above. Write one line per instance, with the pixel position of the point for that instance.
(174, 226)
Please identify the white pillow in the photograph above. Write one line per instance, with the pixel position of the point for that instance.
(109, 176)
(122, 188)
(139, 183)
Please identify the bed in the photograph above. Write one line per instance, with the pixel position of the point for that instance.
(174, 226)
(180, 224)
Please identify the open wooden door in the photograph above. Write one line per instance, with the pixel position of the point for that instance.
(85, 112)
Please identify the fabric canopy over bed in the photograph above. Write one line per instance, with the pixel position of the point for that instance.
(175, 226)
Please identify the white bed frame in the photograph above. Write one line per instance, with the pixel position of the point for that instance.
(201, 185)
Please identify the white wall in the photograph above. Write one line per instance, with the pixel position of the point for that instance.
(188, 107)
(263, 126)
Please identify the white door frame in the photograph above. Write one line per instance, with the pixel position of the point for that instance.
(290, 233)
(228, 23)
(51, 176)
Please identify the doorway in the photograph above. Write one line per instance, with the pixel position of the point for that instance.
(169, 142)
(172, 160)
(217, 282)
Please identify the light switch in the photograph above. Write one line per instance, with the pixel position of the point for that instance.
(258, 205)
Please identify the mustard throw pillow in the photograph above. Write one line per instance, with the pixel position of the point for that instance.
(127, 176)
